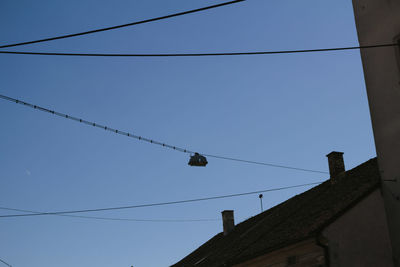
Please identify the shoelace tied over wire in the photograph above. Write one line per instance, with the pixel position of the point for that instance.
(148, 140)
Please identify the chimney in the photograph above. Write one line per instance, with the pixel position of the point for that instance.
(336, 164)
(228, 221)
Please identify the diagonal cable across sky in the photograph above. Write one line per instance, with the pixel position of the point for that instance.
(157, 204)
(151, 141)
(122, 26)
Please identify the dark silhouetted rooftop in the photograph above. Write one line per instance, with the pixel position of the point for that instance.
(302, 216)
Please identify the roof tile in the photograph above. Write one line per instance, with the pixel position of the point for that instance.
(298, 218)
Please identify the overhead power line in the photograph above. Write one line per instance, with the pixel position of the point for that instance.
(263, 163)
(156, 204)
(141, 138)
(117, 219)
(5, 263)
(148, 140)
(122, 26)
(198, 54)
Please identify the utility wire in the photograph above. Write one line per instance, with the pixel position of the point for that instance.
(199, 54)
(148, 140)
(263, 163)
(96, 125)
(5, 263)
(117, 219)
(157, 204)
(123, 25)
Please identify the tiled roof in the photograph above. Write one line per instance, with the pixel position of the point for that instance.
(302, 216)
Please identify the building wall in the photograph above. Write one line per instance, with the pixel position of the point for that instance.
(378, 22)
(303, 254)
(360, 236)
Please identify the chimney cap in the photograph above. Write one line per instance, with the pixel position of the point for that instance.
(227, 211)
(335, 153)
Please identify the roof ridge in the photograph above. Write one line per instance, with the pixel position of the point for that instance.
(297, 218)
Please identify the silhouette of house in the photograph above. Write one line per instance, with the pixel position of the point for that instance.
(340, 222)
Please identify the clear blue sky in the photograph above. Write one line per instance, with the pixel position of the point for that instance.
(283, 109)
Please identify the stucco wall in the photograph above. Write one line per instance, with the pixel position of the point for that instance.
(360, 236)
(306, 254)
(378, 22)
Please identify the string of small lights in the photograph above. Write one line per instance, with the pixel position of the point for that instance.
(66, 116)
(148, 140)
(157, 204)
(198, 54)
(123, 25)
